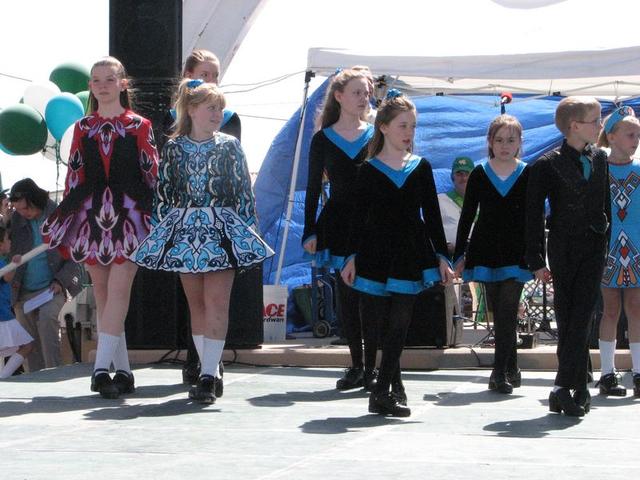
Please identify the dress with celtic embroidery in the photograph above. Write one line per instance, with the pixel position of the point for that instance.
(204, 214)
(623, 260)
(108, 195)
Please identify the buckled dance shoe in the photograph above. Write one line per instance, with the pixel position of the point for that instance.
(124, 382)
(498, 382)
(583, 399)
(370, 380)
(101, 382)
(353, 378)
(515, 378)
(387, 404)
(609, 385)
(219, 388)
(562, 401)
(190, 373)
(203, 391)
(397, 389)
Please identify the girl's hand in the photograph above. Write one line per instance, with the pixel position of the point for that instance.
(16, 259)
(348, 273)
(543, 275)
(446, 274)
(459, 268)
(310, 246)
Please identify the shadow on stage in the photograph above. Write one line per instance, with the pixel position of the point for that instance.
(339, 425)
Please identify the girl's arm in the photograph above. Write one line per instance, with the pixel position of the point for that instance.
(147, 154)
(244, 200)
(163, 198)
(537, 192)
(434, 231)
(467, 217)
(314, 187)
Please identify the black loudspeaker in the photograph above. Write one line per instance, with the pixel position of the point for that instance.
(428, 326)
(158, 311)
(146, 35)
(245, 310)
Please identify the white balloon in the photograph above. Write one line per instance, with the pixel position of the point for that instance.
(65, 143)
(38, 95)
(50, 148)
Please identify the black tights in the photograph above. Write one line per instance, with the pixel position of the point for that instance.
(503, 299)
(356, 330)
(391, 315)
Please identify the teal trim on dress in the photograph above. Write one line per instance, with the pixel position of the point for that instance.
(351, 149)
(398, 177)
(485, 274)
(503, 186)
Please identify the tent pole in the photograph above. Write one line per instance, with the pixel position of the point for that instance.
(294, 174)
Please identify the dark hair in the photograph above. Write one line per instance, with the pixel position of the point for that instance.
(3, 232)
(121, 73)
(195, 58)
(389, 109)
(28, 190)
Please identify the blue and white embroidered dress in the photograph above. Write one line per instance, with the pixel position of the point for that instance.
(204, 213)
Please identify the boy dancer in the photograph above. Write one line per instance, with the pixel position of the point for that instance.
(575, 180)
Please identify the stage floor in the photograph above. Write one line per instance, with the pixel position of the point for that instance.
(290, 423)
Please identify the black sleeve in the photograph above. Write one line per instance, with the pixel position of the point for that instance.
(468, 214)
(434, 230)
(537, 192)
(314, 186)
(233, 127)
(607, 204)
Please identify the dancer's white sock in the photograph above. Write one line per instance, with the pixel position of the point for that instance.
(107, 345)
(211, 355)
(121, 355)
(607, 356)
(198, 341)
(634, 348)
(12, 365)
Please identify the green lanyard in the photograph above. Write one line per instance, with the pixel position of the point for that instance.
(456, 197)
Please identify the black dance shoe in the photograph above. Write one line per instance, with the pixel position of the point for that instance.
(397, 389)
(353, 378)
(562, 401)
(498, 382)
(583, 399)
(609, 385)
(636, 384)
(124, 382)
(219, 389)
(515, 378)
(190, 373)
(387, 404)
(101, 382)
(203, 391)
(370, 380)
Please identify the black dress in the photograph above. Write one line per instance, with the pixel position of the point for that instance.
(339, 159)
(396, 233)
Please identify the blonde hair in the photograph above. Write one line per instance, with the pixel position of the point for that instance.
(121, 73)
(572, 109)
(330, 110)
(192, 96)
(389, 109)
(603, 140)
(197, 57)
(500, 121)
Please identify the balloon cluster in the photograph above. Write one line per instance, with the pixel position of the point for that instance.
(44, 118)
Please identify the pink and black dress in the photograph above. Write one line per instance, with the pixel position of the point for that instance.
(109, 188)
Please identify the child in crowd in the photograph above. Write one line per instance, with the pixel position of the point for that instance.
(397, 245)
(575, 179)
(494, 255)
(205, 65)
(15, 341)
(621, 280)
(337, 150)
(105, 212)
(204, 222)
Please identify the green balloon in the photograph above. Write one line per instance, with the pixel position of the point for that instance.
(23, 131)
(70, 77)
(84, 98)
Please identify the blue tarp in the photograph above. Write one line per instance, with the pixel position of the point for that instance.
(448, 126)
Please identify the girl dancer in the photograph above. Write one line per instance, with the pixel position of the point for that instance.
(495, 253)
(205, 65)
(397, 245)
(15, 341)
(105, 212)
(337, 150)
(204, 221)
(621, 280)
